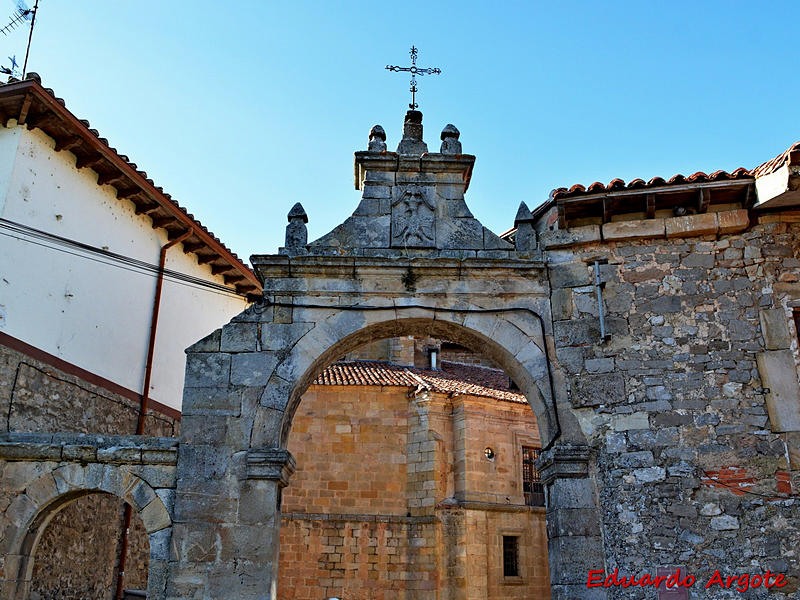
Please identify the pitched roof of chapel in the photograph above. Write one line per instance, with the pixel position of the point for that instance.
(38, 107)
(453, 378)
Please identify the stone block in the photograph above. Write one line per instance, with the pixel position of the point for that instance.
(596, 390)
(793, 446)
(210, 343)
(571, 558)
(42, 490)
(212, 401)
(779, 374)
(267, 427)
(561, 301)
(161, 476)
(239, 337)
(571, 492)
(120, 454)
(724, 523)
(649, 474)
(155, 516)
(637, 420)
(69, 478)
(692, 225)
(570, 275)
(252, 368)
(79, 452)
(573, 236)
(282, 336)
(167, 496)
(139, 495)
(257, 502)
(207, 370)
(159, 544)
(774, 329)
(153, 456)
(573, 522)
(642, 229)
(733, 221)
(157, 578)
(208, 508)
(30, 451)
(600, 365)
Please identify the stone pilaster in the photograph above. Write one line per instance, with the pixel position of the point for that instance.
(574, 540)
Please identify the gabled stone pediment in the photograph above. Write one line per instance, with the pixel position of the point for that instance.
(412, 200)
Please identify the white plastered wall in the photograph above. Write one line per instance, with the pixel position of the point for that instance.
(94, 315)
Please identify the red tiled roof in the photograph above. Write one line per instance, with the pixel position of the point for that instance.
(776, 163)
(29, 101)
(619, 184)
(454, 378)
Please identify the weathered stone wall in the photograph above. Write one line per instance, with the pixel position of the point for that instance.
(78, 552)
(35, 396)
(692, 471)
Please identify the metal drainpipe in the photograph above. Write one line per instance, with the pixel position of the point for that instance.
(148, 372)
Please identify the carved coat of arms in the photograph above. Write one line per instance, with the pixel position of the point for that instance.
(413, 219)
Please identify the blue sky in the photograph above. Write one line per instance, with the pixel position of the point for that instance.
(240, 109)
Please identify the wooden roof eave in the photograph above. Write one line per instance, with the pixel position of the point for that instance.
(30, 90)
(663, 189)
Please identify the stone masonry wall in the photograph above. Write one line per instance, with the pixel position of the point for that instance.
(691, 471)
(77, 554)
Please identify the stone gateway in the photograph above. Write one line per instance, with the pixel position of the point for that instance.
(651, 327)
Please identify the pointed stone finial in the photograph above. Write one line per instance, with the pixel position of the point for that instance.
(377, 139)
(525, 236)
(523, 214)
(412, 135)
(450, 143)
(296, 232)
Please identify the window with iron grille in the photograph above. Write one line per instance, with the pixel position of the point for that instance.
(531, 482)
(510, 556)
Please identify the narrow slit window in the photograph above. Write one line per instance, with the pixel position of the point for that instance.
(510, 556)
(531, 481)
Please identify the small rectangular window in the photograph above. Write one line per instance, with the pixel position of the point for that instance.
(796, 315)
(510, 556)
(531, 481)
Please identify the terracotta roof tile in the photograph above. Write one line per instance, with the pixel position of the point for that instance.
(678, 179)
(776, 163)
(453, 378)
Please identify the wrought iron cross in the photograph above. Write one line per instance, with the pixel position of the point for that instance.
(414, 70)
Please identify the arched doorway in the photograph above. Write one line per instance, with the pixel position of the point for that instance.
(41, 513)
(77, 553)
(244, 385)
(410, 481)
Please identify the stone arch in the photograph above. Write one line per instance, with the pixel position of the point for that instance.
(51, 492)
(521, 354)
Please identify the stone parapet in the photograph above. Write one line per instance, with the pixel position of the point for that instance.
(121, 449)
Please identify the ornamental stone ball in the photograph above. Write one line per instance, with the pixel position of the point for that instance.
(450, 143)
(377, 139)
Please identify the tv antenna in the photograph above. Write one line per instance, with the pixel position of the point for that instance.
(21, 15)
